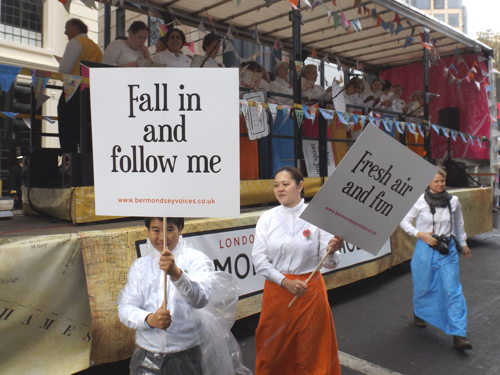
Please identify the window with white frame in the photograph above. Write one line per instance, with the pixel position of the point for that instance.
(21, 21)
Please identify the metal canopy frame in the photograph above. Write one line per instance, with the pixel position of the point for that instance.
(373, 46)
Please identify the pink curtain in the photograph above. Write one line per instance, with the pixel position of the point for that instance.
(472, 102)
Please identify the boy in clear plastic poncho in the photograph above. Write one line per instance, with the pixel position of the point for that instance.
(189, 334)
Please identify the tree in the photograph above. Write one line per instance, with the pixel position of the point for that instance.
(492, 40)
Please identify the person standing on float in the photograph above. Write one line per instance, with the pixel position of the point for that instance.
(296, 339)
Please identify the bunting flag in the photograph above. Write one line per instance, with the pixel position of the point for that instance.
(298, 66)
(327, 115)
(163, 29)
(341, 117)
(190, 46)
(420, 130)
(299, 115)
(49, 119)
(39, 84)
(273, 108)
(453, 134)
(201, 27)
(10, 114)
(357, 25)
(411, 128)
(446, 132)
(27, 122)
(307, 115)
(237, 2)
(8, 74)
(70, 85)
(89, 3)
(355, 118)
(229, 33)
(408, 42)
(66, 3)
(387, 125)
(436, 128)
(41, 99)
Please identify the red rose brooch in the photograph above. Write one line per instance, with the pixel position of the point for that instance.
(307, 234)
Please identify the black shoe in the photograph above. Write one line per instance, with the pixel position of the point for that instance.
(461, 343)
(419, 322)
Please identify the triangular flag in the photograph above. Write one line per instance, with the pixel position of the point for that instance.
(273, 108)
(41, 99)
(27, 122)
(163, 29)
(10, 114)
(357, 25)
(67, 4)
(421, 130)
(70, 84)
(201, 27)
(229, 33)
(237, 2)
(190, 46)
(307, 115)
(436, 128)
(39, 84)
(298, 66)
(446, 132)
(399, 28)
(411, 128)
(327, 115)
(453, 134)
(8, 74)
(478, 85)
(462, 135)
(89, 3)
(342, 119)
(49, 119)
(408, 42)
(387, 125)
(299, 115)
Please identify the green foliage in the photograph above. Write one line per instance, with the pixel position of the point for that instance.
(492, 40)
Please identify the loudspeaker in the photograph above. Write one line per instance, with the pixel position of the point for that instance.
(76, 170)
(456, 175)
(449, 118)
(41, 168)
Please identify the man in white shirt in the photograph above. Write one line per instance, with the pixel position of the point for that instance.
(168, 334)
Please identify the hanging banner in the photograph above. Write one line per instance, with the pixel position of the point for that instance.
(44, 309)
(368, 193)
(231, 251)
(311, 157)
(164, 144)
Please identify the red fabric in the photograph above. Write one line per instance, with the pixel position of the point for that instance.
(299, 339)
(249, 155)
(472, 103)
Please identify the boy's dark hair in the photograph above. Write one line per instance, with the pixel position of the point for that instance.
(178, 31)
(137, 26)
(209, 39)
(177, 221)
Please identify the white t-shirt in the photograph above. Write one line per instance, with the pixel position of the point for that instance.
(172, 60)
(119, 53)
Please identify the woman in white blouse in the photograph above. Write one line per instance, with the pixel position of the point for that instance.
(132, 51)
(286, 250)
(211, 45)
(173, 55)
(437, 292)
(280, 84)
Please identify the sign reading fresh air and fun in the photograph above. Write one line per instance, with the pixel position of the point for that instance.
(371, 190)
(166, 141)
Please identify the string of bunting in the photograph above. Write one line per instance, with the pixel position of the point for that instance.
(346, 118)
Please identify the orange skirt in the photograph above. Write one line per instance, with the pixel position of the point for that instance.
(299, 339)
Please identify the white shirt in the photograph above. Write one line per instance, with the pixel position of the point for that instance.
(119, 53)
(281, 86)
(143, 295)
(422, 213)
(172, 60)
(353, 99)
(398, 105)
(212, 63)
(281, 246)
(71, 54)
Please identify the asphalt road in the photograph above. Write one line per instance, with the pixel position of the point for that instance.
(376, 336)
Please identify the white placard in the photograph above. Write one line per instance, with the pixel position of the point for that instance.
(166, 141)
(231, 251)
(310, 149)
(370, 191)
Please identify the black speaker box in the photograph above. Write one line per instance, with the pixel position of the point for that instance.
(41, 168)
(76, 170)
(449, 118)
(456, 174)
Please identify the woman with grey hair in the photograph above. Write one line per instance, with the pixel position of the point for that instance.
(280, 84)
